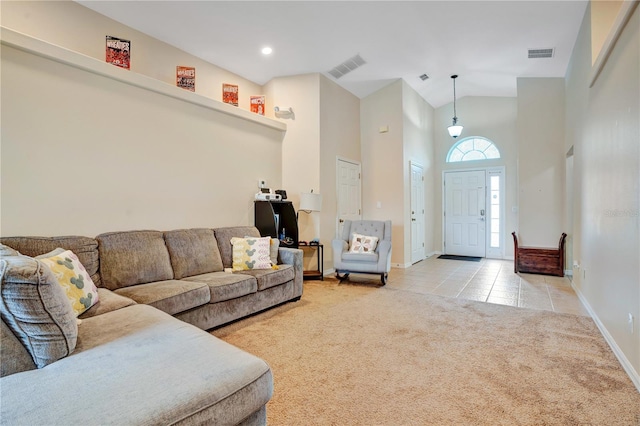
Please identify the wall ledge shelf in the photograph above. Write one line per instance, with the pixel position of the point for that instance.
(35, 46)
(626, 10)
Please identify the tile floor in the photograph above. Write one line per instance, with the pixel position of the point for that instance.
(489, 280)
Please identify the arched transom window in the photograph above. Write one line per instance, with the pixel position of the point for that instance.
(473, 148)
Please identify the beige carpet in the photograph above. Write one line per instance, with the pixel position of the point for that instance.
(360, 355)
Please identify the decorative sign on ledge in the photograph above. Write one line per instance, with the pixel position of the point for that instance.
(50, 51)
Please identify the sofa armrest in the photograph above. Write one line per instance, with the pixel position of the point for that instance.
(294, 257)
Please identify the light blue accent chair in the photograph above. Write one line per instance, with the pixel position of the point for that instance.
(378, 262)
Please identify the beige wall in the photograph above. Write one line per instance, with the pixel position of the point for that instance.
(386, 159)
(419, 148)
(84, 154)
(383, 163)
(603, 126)
(326, 125)
(102, 155)
(339, 137)
(301, 145)
(541, 152)
(77, 28)
(603, 15)
(495, 119)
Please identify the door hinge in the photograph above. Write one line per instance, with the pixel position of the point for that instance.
(422, 244)
(423, 178)
(359, 212)
(358, 175)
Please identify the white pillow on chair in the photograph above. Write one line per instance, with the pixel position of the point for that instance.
(363, 243)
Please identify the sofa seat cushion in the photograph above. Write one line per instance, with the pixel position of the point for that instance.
(226, 286)
(360, 257)
(107, 301)
(133, 257)
(268, 278)
(171, 296)
(146, 367)
(193, 252)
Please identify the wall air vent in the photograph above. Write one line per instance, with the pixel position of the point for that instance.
(540, 53)
(347, 66)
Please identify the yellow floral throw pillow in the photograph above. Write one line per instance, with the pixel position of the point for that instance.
(74, 279)
(251, 253)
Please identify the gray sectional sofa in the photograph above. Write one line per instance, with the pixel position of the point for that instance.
(139, 356)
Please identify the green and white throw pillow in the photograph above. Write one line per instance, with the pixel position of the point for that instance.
(74, 279)
(251, 253)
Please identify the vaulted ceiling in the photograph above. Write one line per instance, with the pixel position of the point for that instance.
(485, 42)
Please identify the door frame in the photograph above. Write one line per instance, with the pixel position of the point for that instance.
(421, 167)
(489, 252)
(337, 217)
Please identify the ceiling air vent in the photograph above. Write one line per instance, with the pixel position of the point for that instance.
(540, 53)
(423, 77)
(347, 66)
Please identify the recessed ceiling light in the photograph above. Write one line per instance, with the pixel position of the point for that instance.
(267, 50)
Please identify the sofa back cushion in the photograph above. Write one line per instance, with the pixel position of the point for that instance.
(85, 248)
(133, 257)
(224, 236)
(36, 309)
(193, 252)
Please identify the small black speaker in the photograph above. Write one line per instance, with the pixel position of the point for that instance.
(282, 193)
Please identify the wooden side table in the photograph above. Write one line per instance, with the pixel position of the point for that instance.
(317, 273)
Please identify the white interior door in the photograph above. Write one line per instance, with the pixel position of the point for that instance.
(349, 193)
(465, 213)
(417, 213)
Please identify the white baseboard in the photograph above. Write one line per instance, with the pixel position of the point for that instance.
(400, 265)
(568, 272)
(328, 272)
(626, 365)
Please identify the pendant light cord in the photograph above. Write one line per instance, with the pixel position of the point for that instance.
(455, 115)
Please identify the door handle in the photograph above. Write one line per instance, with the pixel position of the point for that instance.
(341, 221)
(413, 219)
(481, 219)
(482, 212)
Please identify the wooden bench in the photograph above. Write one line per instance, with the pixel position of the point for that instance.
(534, 260)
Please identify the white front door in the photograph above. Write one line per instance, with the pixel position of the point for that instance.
(465, 213)
(349, 195)
(417, 213)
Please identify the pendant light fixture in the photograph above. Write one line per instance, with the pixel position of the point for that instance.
(455, 129)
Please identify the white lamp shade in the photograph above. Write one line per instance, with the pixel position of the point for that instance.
(455, 131)
(310, 202)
